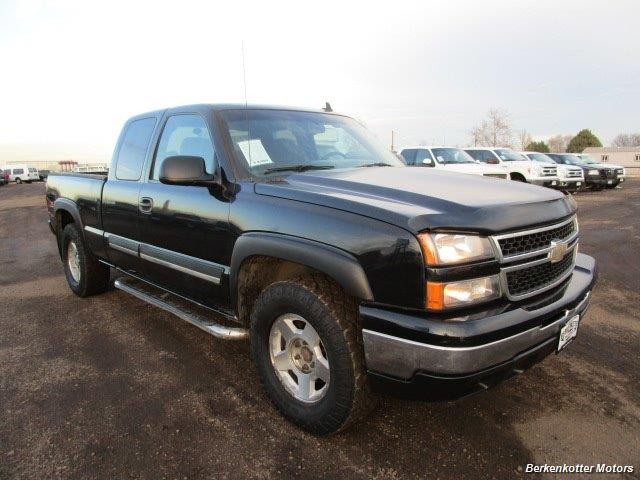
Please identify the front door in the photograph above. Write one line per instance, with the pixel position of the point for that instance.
(186, 241)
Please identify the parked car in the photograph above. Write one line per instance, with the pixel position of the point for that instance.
(596, 176)
(22, 173)
(2, 180)
(620, 170)
(570, 178)
(345, 268)
(516, 166)
(43, 174)
(448, 158)
(5, 176)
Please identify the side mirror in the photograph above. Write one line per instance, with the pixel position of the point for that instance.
(427, 162)
(185, 170)
(493, 161)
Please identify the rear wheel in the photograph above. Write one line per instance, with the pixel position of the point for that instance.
(304, 344)
(85, 274)
(18, 180)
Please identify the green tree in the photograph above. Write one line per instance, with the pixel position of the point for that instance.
(537, 147)
(582, 140)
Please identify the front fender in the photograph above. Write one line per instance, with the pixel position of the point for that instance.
(333, 262)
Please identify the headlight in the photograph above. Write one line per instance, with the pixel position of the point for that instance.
(462, 293)
(593, 172)
(453, 248)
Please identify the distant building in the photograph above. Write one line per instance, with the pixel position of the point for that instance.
(628, 157)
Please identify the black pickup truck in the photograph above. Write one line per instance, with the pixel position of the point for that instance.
(347, 271)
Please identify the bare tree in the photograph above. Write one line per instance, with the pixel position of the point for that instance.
(626, 140)
(524, 139)
(559, 143)
(494, 131)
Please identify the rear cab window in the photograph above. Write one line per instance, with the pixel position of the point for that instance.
(133, 149)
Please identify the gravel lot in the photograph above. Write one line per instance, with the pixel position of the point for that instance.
(111, 387)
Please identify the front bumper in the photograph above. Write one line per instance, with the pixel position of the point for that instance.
(603, 182)
(544, 181)
(570, 184)
(407, 350)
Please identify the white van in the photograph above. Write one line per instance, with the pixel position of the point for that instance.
(448, 158)
(22, 173)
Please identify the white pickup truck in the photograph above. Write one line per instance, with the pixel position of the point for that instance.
(516, 166)
(570, 178)
(448, 158)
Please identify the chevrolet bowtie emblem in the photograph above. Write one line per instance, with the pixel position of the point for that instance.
(558, 250)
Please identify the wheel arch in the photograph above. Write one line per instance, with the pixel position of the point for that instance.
(293, 255)
(66, 211)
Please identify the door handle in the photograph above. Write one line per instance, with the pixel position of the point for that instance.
(145, 205)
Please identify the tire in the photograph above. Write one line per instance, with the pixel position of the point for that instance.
(518, 178)
(85, 275)
(345, 397)
(18, 181)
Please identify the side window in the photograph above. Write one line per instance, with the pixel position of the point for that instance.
(422, 155)
(476, 154)
(134, 148)
(18, 171)
(489, 155)
(409, 155)
(184, 135)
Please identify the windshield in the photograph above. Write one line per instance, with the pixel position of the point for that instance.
(540, 157)
(32, 170)
(570, 159)
(273, 141)
(507, 155)
(587, 158)
(449, 156)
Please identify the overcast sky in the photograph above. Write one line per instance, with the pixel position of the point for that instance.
(73, 71)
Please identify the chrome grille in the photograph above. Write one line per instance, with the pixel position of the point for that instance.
(619, 171)
(527, 280)
(574, 173)
(536, 240)
(529, 258)
(549, 171)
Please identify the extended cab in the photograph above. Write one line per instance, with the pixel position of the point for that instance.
(344, 268)
(516, 166)
(449, 158)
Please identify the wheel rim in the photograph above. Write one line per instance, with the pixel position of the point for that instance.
(299, 358)
(73, 261)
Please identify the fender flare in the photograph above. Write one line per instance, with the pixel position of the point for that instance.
(70, 207)
(333, 262)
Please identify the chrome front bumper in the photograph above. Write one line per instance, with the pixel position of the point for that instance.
(402, 358)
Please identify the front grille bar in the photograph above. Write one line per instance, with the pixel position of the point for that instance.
(510, 263)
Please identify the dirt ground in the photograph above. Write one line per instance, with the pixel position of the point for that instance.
(109, 387)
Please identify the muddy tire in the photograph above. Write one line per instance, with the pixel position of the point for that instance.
(85, 275)
(304, 343)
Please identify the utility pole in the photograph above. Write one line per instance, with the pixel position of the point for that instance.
(392, 146)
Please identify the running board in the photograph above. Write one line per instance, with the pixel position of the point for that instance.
(179, 307)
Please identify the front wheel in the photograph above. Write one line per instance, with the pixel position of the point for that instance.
(304, 344)
(85, 274)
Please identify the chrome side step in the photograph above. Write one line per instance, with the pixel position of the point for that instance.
(179, 308)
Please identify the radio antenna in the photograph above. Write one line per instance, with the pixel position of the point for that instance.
(246, 114)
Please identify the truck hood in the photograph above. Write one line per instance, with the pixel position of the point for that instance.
(423, 199)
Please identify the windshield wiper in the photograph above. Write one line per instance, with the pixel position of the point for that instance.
(298, 168)
(375, 164)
